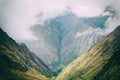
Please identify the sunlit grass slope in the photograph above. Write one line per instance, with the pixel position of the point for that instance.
(101, 62)
(18, 63)
(12, 68)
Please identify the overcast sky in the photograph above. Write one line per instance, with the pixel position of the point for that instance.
(17, 16)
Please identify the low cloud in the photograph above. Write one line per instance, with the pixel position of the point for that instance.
(91, 30)
(86, 32)
(17, 16)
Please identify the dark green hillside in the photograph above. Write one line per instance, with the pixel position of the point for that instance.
(111, 71)
(18, 63)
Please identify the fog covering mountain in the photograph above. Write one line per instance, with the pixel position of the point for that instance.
(63, 38)
(17, 62)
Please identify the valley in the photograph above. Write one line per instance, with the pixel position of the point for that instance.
(100, 62)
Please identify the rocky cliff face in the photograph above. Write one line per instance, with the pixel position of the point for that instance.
(18, 62)
(101, 62)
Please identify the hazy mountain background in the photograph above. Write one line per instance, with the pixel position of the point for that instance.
(62, 39)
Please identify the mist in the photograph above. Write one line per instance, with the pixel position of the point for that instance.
(18, 16)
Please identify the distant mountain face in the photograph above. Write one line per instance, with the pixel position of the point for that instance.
(62, 39)
(17, 62)
(101, 62)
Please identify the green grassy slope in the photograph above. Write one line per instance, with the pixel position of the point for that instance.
(101, 62)
(18, 64)
(110, 71)
(11, 70)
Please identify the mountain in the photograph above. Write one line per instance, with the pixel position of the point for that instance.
(65, 37)
(17, 62)
(101, 62)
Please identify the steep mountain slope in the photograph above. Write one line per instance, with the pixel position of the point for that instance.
(40, 65)
(101, 62)
(59, 37)
(18, 63)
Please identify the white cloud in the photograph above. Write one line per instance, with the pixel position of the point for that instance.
(92, 30)
(21, 14)
(114, 20)
(86, 32)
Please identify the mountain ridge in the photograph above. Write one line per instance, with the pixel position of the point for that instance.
(18, 63)
(90, 66)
